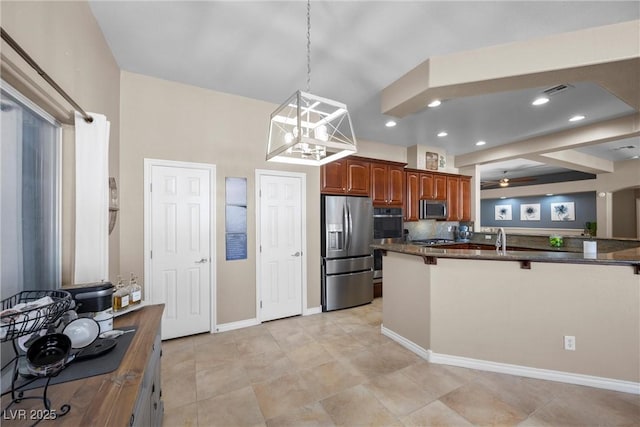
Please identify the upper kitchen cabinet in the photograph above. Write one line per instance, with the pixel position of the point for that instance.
(387, 184)
(412, 195)
(433, 186)
(458, 198)
(439, 187)
(465, 198)
(345, 176)
(453, 198)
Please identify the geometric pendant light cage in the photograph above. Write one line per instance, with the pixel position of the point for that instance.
(308, 129)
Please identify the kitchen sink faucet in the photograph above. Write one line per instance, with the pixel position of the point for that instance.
(501, 240)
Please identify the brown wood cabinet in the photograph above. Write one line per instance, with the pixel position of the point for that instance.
(453, 198)
(345, 176)
(387, 184)
(439, 187)
(465, 198)
(458, 198)
(333, 177)
(455, 189)
(412, 195)
(427, 186)
(128, 396)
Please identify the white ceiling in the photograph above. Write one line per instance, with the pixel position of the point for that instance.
(258, 49)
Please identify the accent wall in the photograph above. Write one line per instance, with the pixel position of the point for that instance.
(582, 205)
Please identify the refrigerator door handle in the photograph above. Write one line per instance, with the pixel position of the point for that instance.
(347, 231)
(350, 225)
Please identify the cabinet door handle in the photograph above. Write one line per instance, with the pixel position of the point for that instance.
(153, 388)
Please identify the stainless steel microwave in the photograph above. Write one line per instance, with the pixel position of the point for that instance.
(433, 209)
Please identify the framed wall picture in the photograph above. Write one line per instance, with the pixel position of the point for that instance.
(503, 213)
(564, 211)
(530, 212)
(432, 160)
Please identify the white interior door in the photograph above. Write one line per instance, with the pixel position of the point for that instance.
(281, 247)
(180, 248)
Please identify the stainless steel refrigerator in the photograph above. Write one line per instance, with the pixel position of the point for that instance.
(347, 257)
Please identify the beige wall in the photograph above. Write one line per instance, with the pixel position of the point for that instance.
(173, 121)
(378, 150)
(496, 311)
(406, 303)
(65, 40)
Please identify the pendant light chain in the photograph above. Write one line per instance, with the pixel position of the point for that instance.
(308, 46)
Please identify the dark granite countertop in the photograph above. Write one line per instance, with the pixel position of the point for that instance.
(628, 256)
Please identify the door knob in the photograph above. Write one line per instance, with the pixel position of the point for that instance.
(296, 254)
(202, 261)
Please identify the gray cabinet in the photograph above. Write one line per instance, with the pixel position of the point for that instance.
(149, 407)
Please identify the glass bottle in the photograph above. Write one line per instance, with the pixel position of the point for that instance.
(120, 296)
(135, 291)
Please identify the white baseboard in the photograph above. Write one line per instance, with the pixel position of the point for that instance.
(410, 345)
(225, 327)
(522, 371)
(311, 310)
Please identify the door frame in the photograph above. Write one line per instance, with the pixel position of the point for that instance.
(303, 234)
(148, 164)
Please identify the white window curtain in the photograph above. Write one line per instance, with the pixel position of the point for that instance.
(91, 262)
(12, 277)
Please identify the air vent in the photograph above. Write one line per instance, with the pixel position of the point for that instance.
(557, 89)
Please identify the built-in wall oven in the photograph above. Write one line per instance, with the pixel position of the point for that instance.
(388, 227)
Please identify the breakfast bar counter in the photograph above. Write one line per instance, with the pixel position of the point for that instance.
(629, 256)
(513, 311)
(130, 395)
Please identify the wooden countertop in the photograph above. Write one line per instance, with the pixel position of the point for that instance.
(629, 256)
(102, 400)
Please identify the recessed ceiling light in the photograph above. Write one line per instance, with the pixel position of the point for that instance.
(443, 133)
(577, 118)
(635, 157)
(434, 103)
(540, 100)
(549, 194)
(480, 143)
(390, 124)
(503, 197)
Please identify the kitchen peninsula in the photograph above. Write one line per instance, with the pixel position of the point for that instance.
(510, 311)
(130, 395)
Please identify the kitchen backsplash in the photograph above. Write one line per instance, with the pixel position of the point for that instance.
(430, 229)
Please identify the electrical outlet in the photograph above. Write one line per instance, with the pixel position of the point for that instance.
(569, 342)
(487, 237)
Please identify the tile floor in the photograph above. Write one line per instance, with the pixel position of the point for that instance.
(337, 369)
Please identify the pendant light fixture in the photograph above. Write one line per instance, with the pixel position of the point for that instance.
(308, 129)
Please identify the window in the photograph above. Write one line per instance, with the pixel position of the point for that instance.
(30, 250)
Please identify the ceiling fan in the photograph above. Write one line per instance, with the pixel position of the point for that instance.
(504, 182)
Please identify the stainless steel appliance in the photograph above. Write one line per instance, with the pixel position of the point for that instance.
(388, 227)
(433, 209)
(347, 260)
